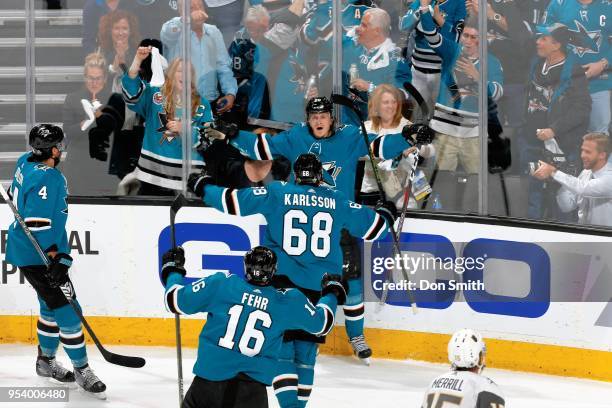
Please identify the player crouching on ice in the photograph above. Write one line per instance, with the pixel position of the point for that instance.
(464, 386)
(239, 346)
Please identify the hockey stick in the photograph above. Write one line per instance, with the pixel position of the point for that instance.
(348, 103)
(117, 359)
(176, 205)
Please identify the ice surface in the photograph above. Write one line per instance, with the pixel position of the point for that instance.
(340, 382)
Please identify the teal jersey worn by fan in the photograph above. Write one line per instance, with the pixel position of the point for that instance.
(304, 225)
(245, 323)
(39, 192)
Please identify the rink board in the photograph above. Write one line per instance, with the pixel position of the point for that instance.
(116, 273)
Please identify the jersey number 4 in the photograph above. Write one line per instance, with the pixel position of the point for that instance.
(252, 340)
(295, 240)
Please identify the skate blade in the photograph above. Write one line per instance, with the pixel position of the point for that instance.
(72, 385)
(97, 395)
(365, 361)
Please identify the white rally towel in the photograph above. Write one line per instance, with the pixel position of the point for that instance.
(157, 66)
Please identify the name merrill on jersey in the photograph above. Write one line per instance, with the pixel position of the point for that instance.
(258, 302)
(310, 201)
(454, 384)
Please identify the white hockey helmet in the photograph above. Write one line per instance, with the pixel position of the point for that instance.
(466, 349)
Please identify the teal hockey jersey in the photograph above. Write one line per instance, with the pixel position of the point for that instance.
(39, 192)
(245, 323)
(304, 225)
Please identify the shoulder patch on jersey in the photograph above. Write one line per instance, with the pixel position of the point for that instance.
(158, 98)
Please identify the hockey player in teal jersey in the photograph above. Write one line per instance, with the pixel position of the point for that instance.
(305, 221)
(160, 163)
(39, 193)
(239, 346)
(339, 149)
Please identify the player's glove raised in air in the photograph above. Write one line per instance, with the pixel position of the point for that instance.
(197, 181)
(218, 130)
(335, 285)
(418, 134)
(173, 261)
(387, 210)
(57, 272)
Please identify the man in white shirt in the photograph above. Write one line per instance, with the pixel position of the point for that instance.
(591, 191)
(464, 386)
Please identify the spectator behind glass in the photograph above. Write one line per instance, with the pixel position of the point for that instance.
(85, 175)
(272, 37)
(591, 191)
(557, 112)
(456, 111)
(226, 15)
(376, 59)
(213, 67)
(591, 46)
(162, 107)
(385, 117)
(118, 38)
(92, 13)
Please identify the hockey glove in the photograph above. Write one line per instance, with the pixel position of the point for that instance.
(335, 285)
(418, 134)
(387, 210)
(173, 261)
(197, 181)
(57, 273)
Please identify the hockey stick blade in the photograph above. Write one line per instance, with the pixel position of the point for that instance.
(117, 359)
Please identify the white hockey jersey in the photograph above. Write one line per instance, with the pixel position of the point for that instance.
(463, 389)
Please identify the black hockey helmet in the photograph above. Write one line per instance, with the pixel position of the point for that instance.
(308, 169)
(260, 265)
(44, 137)
(319, 104)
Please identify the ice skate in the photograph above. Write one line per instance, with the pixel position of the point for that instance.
(50, 368)
(89, 381)
(361, 349)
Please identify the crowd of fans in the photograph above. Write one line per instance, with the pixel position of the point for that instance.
(256, 64)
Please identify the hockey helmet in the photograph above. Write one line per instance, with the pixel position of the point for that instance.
(44, 137)
(259, 265)
(308, 169)
(466, 349)
(319, 104)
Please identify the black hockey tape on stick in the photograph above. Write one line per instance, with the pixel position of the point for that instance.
(176, 205)
(347, 102)
(418, 98)
(117, 359)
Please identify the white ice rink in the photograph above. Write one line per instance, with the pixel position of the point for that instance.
(340, 382)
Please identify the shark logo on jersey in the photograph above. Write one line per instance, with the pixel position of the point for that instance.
(333, 171)
(585, 41)
(166, 134)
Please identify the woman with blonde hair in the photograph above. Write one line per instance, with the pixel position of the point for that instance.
(160, 164)
(385, 117)
(85, 174)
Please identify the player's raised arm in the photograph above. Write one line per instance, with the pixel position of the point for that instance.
(255, 146)
(241, 202)
(186, 299)
(366, 223)
(392, 145)
(319, 319)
